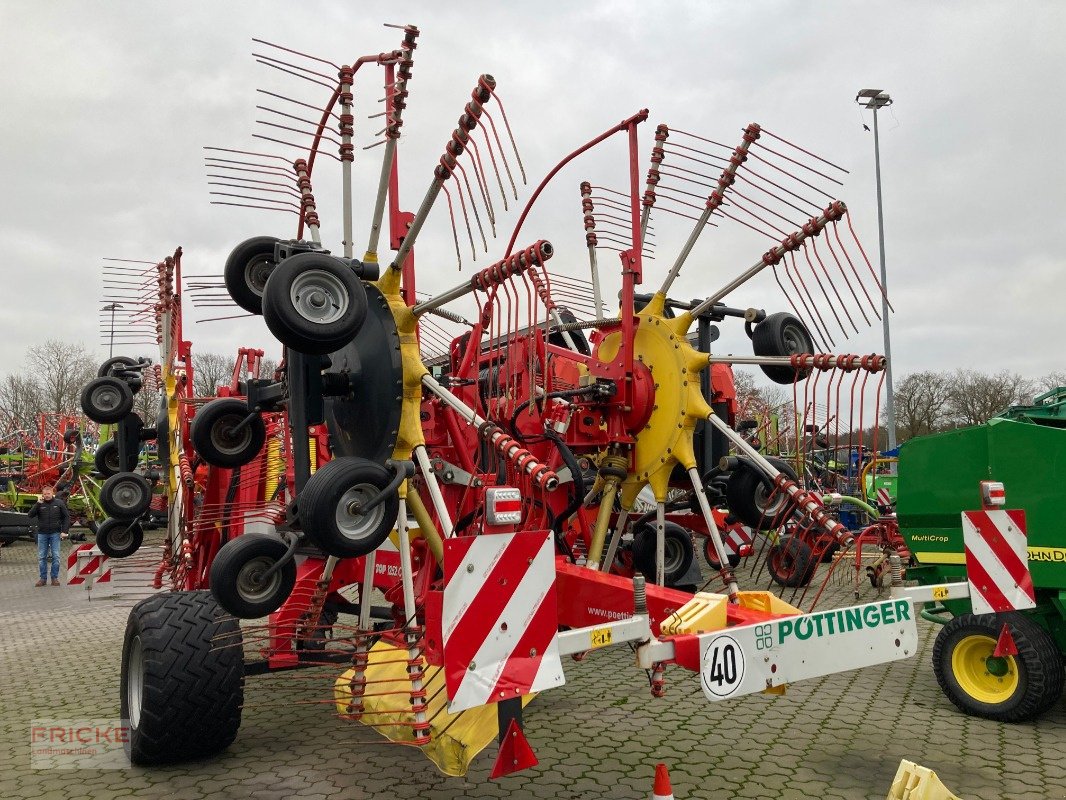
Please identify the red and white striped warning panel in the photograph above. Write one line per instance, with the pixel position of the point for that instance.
(499, 622)
(736, 537)
(997, 561)
(884, 499)
(86, 561)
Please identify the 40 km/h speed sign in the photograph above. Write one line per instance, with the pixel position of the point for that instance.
(723, 667)
(752, 658)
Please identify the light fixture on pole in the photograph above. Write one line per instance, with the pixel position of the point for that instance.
(111, 307)
(876, 99)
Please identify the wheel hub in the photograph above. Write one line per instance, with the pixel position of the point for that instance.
(228, 438)
(256, 274)
(319, 296)
(120, 538)
(980, 674)
(250, 580)
(127, 494)
(352, 522)
(107, 398)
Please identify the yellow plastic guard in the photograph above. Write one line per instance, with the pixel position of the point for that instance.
(914, 782)
(704, 613)
(455, 739)
(765, 601)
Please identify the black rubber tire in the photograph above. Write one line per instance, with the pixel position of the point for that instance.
(294, 279)
(114, 367)
(106, 458)
(340, 482)
(578, 336)
(247, 268)
(191, 678)
(125, 495)
(1038, 666)
(791, 562)
(782, 334)
(712, 557)
(119, 538)
(235, 571)
(212, 434)
(106, 400)
(678, 552)
(748, 493)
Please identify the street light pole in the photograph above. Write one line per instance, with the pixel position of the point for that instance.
(876, 99)
(113, 306)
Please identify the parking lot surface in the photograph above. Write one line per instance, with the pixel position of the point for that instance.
(600, 736)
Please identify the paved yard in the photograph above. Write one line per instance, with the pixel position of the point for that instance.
(598, 737)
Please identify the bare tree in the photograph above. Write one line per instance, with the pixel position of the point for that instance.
(20, 400)
(1053, 380)
(146, 402)
(921, 400)
(976, 397)
(267, 368)
(210, 370)
(61, 370)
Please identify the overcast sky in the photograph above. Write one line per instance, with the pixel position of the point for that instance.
(105, 108)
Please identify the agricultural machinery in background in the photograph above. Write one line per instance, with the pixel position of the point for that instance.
(1000, 652)
(442, 495)
(53, 454)
(127, 495)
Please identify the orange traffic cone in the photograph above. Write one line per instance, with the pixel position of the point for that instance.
(662, 790)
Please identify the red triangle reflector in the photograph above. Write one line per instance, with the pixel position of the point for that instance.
(515, 753)
(1005, 646)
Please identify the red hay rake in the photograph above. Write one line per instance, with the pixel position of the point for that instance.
(484, 491)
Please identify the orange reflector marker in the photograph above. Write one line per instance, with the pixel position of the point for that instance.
(1005, 646)
(515, 753)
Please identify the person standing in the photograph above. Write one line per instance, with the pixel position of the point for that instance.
(53, 520)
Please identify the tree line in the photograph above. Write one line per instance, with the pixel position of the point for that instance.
(54, 373)
(925, 402)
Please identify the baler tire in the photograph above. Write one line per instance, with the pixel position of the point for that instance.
(118, 538)
(247, 269)
(748, 493)
(325, 507)
(183, 670)
(1034, 677)
(678, 552)
(118, 498)
(782, 334)
(791, 562)
(212, 435)
(235, 573)
(314, 303)
(106, 459)
(106, 400)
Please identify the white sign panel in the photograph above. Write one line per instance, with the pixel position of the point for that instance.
(751, 658)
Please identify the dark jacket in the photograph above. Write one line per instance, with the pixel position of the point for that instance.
(52, 516)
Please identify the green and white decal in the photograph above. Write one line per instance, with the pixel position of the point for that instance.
(753, 658)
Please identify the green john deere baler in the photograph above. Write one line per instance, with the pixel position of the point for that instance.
(1024, 448)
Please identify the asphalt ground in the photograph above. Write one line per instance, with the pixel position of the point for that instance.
(599, 736)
